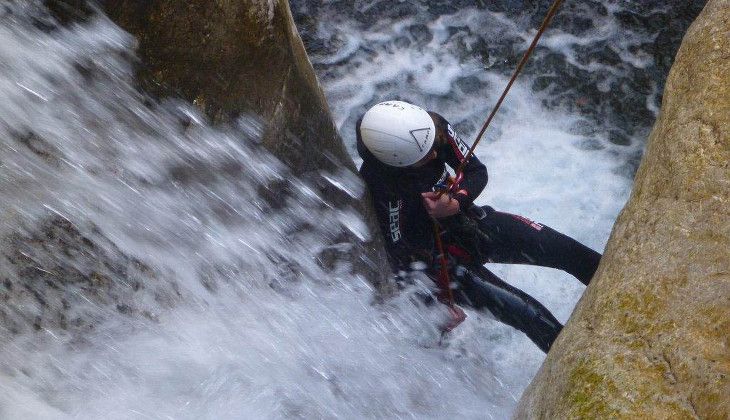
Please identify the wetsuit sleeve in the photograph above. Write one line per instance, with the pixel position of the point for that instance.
(388, 212)
(453, 151)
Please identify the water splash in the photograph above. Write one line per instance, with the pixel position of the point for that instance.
(153, 266)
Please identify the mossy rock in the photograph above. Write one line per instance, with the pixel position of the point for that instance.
(650, 337)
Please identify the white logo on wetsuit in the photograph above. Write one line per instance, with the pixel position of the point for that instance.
(394, 217)
(460, 144)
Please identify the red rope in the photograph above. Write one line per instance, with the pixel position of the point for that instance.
(444, 282)
(447, 295)
(443, 278)
(551, 12)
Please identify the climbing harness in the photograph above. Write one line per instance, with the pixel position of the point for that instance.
(444, 281)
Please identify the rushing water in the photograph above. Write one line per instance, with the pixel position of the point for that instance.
(566, 143)
(213, 304)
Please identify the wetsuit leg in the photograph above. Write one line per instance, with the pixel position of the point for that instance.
(481, 289)
(513, 239)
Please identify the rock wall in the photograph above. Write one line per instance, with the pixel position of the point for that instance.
(60, 279)
(237, 57)
(246, 56)
(651, 336)
(230, 57)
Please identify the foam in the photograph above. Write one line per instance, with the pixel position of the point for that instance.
(282, 337)
(537, 163)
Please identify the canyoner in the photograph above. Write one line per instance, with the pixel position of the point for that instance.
(428, 215)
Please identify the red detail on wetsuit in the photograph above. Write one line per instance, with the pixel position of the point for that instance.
(528, 222)
(459, 253)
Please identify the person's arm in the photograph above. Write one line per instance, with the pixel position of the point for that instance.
(453, 152)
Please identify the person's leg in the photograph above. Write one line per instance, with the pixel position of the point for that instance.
(513, 239)
(481, 289)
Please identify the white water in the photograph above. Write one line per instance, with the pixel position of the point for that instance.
(540, 163)
(272, 342)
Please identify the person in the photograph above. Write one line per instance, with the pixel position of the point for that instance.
(405, 151)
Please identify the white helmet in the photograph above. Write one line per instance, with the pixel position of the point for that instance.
(397, 133)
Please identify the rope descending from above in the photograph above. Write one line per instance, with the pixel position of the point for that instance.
(444, 281)
(545, 23)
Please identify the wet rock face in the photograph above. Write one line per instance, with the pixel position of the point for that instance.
(649, 339)
(243, 56)
(57, 278)
(235, 57)
(229, 58)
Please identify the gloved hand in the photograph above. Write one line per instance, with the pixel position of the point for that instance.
(439, 205)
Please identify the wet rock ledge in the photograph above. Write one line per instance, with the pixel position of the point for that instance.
(651, 336)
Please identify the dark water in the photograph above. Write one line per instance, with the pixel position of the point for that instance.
(605, 61)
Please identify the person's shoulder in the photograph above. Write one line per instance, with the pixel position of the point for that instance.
(372, 170)
(443, 128)
(439, 120)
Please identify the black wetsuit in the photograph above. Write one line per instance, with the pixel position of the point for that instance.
(475, 236)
